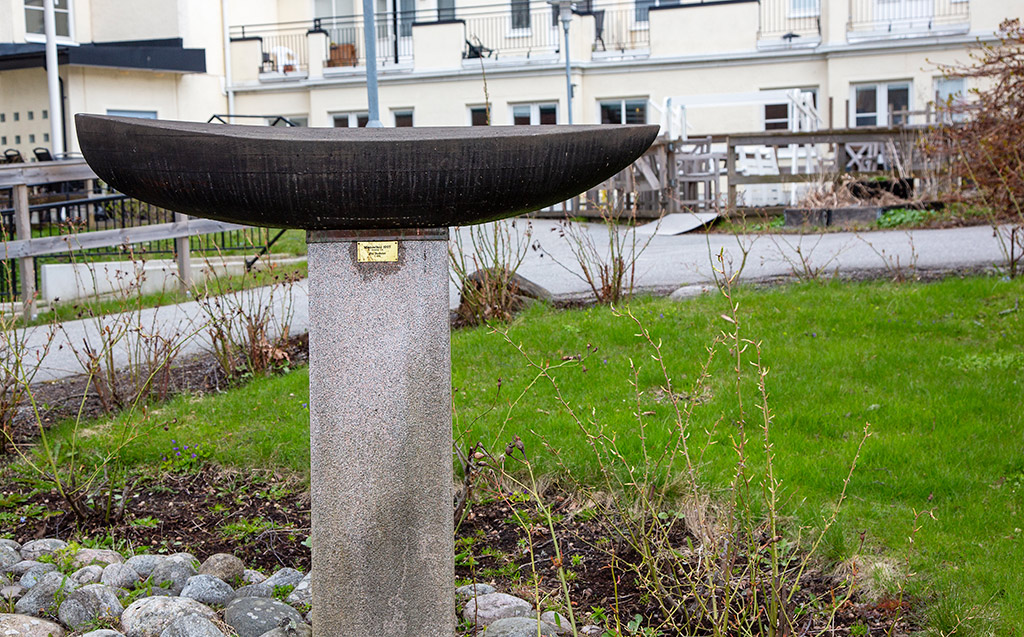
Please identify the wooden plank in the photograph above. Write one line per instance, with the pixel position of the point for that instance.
(109, 238)
(845, 136)
(26, 266)
(788, 178)
(45, 172)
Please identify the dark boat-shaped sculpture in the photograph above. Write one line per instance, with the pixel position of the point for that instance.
(352, 179)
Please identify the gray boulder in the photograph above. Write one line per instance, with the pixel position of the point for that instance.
(303, 592)
(9, 556)
(144, 564)
(37, 548)
(192, 626)
(150, 616)
(290, 630)
(472, 590)
(11, 592)
(89, 604)
(519, 627)
(20, 568)
(224, 567)
(25, 626)
(557, 621)
(34, 574)
(101, 557)
(207, 589)
(103, 632)
(252, 616)
(120, 576)
(484, 610)
(172, 574)
(41, 597)
(10, 544)
(254, 590)
(253, 577)
(88, 575)
(186, 558)
(284, 577)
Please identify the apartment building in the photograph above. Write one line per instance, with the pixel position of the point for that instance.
(698, 65)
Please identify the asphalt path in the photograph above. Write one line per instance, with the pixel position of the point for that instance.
(665, 263)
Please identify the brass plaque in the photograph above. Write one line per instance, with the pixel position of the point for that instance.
(377, 251)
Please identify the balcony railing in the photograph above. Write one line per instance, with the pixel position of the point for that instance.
(624, 28)
(347, 42)
(283, 47)
(906, 18)
(520, 33)
(791, 21)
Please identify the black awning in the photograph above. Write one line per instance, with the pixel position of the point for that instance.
(149, 55)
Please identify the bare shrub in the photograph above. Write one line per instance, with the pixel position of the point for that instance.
(484, 271)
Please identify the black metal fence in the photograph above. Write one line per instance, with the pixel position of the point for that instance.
(624, 28)
(347, 41)
(109, 212)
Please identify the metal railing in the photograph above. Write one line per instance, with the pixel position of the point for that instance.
(111, 212)
(900, 18)
(621, 29)
(520, 32)
(347, 42)
(283, 47)
(792, 21)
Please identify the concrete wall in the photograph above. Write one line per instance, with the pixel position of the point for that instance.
(23, 91)
(690, 30)
(69, 281)
(114, 20)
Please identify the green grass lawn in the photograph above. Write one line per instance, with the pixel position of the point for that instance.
(936, 369)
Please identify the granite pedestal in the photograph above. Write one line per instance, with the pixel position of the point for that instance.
(380, 433)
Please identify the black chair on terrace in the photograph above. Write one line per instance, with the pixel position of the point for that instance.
(42, 154)
(474, 51)
(13, 156)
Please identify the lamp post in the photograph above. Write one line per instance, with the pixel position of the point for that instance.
(565, 15)
(369, 34)
(53, 78)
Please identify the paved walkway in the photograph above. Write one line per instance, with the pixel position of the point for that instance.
(668, 262)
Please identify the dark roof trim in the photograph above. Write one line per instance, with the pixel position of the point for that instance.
(150, 55)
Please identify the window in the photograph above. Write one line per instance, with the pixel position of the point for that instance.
(31, 115)
(333, 8)
(403, 119)
(17, 116)
(949, 98)
(3, 117)
(777, 116)
(3, 140)
(126, 113)
(351, 120)
(642, 8)
(46, 137)
(804, 8)
(624, 112)
(46, 114)
(520, 15)
(478, 116)
(445, 10)
(17, 139)
(880, 104)
(32, 139)
(533, 114)
(34, 18)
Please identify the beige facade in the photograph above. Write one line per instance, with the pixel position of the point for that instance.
(867, 61)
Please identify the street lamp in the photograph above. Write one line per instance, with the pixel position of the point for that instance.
(565, 15)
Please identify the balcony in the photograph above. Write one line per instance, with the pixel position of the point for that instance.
(897, 19)
(789, 24)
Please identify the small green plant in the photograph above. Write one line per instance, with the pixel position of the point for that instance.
(246, 528)
(184, 457)
(147, 522)
(282, 591)
(899, 217)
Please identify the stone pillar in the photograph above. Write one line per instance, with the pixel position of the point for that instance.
(380, 433)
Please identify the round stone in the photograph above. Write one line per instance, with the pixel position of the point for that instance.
(144, 564)
(520, 627)
(473, 590)
(34, 574)
(224, 567)
(487, 609)
(88, 574)
(557, 621)
(172, 574)
(150, 616)
(120, 576)
(253, 616)
(103, 632)
(102, 557)
(207, 589)
(90, 604)
(302, 595)
(25, 626)
(20, 568)
(37, 548)
(291, 630)
(41, 598)
(254, 590)
(284, 577)
(10, 544)
(9, 556)
(192, 626)
(253, 577)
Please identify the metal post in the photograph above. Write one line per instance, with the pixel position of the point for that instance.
(26, 265)
(182, 254)
(53, 77)
(565, 12)
(370, 35)
(380, 433)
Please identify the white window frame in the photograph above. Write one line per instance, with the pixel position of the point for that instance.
(395, 112)
(622, 106)
(134, 112)
(959, 97)
(520, 32)
(352, 117)
(469, 113)
(789, 107)
(534, 111)
(41, 37)
(881, 100)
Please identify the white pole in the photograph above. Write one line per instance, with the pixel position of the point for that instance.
(227, 60)
(370, 35)
(53, 79)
